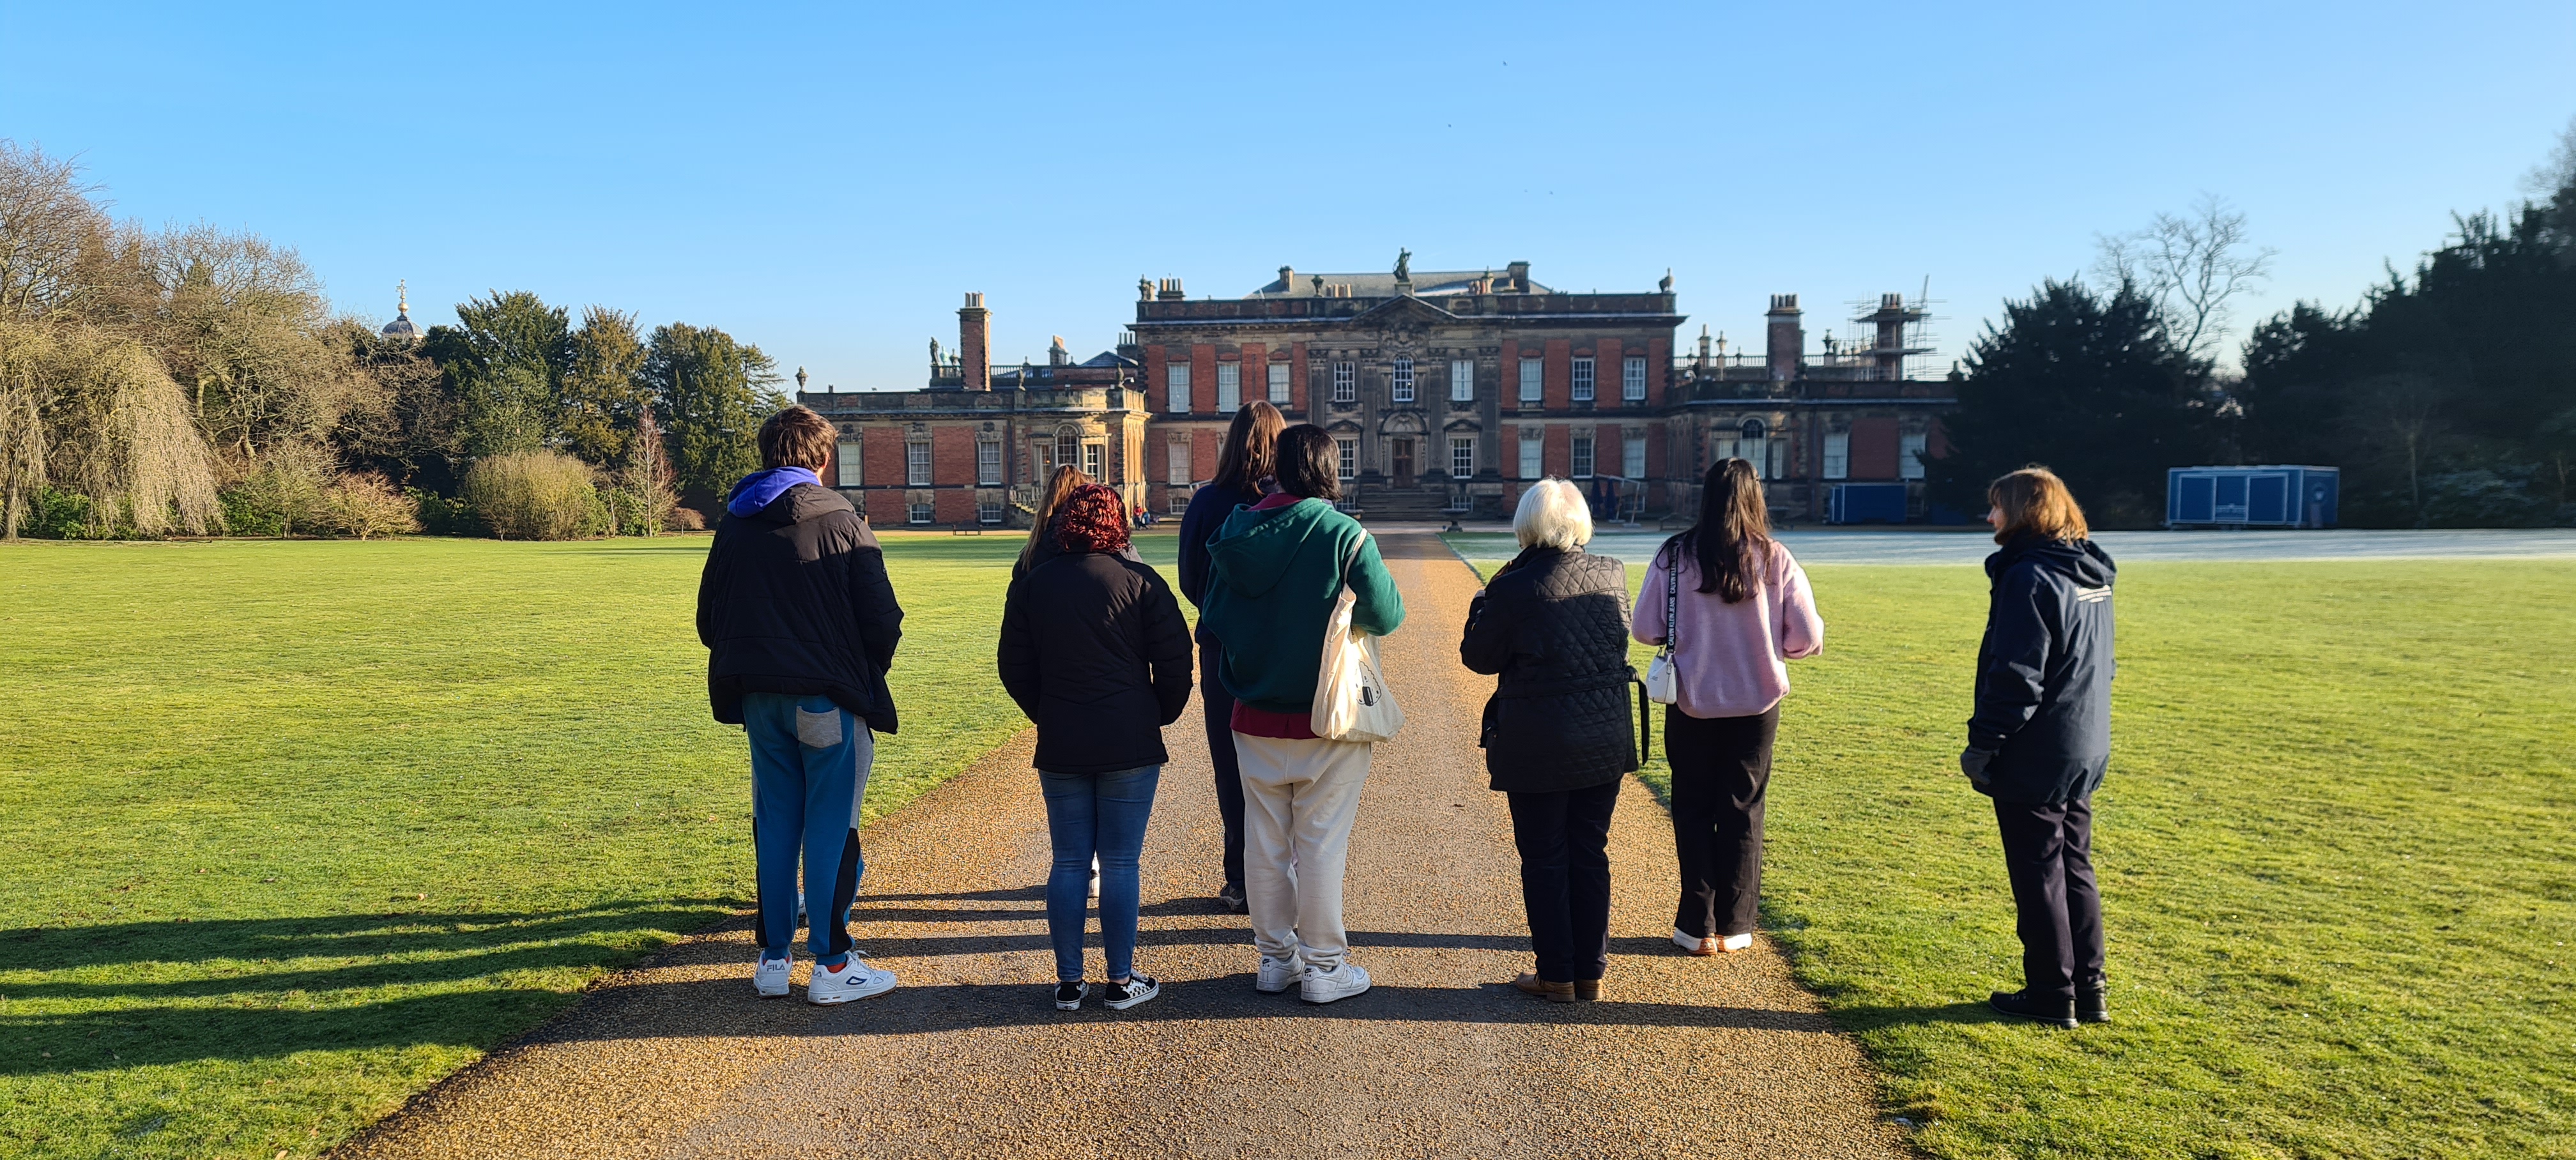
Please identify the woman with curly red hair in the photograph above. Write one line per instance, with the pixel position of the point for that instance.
(1094, 650)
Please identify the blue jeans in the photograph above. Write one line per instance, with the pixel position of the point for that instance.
(809, 768)
(1104, 814)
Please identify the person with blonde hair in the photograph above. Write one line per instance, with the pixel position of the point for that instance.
(1553, 626)
(2040, 738)
(1741, 610)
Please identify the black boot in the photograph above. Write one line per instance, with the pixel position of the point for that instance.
(2093, 1001)
(2020, 1005)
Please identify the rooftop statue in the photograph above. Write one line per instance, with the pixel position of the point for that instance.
(1403, 265)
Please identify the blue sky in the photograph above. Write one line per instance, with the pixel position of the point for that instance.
(825, 181)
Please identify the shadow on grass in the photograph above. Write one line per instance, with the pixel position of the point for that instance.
(251, 989)
(1858, 1019)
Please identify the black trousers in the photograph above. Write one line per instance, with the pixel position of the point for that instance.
(1229, 775)
(1564, 840)
(2048, 852)
(1721, 766)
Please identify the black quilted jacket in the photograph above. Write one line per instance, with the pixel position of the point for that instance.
(1554, 626)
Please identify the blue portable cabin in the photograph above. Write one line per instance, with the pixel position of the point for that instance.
(1865, 503)
(2269, 496)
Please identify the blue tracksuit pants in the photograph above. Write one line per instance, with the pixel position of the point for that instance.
(809, 768)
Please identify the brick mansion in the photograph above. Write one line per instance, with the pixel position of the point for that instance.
(1447, 393)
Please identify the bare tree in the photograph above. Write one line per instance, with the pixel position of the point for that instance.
(48, 226)
(2559, 171)
(2191, 267)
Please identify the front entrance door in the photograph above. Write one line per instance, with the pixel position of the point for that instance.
(1403, 462)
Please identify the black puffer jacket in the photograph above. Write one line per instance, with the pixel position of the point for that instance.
(795, 600)
(2044, 671)
(1096, 653)
(1554, 625)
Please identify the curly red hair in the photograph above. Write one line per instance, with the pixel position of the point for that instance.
(1092, 518)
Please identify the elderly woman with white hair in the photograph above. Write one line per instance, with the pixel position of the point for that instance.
(1553, 625)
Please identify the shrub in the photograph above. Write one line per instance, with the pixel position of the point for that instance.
(532, 495)
(688, 519)
(441, 516)
(365, 504)
(280, 495)
(53, 514)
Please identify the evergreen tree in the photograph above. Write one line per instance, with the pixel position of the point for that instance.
(505, 362)
(605, 397)
(2448, 398)
(712, 394)
(2089, 385)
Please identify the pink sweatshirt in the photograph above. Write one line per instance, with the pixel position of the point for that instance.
(1733, 658)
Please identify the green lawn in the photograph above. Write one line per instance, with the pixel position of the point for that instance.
(2335, 851)
(291, 830)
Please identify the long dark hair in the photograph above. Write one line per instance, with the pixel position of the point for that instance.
(1732, 540)
(1310, 466)
(1251, 448)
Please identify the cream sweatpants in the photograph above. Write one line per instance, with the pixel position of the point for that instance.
(1299, 799)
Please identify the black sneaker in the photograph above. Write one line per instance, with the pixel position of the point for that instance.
(2093, 1002)
(2019, 1004)
(1068, 996)
(1231, 898)
(1121, 996)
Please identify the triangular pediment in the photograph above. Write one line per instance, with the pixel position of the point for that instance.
(1407, 309)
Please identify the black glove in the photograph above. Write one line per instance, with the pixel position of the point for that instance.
(1972, 761)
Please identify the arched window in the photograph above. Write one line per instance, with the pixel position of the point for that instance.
(1753, 432)
(1068, 447)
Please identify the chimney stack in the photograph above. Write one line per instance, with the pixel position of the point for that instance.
(1785, 347)
(1057, 355)
(975, 344)
(1519, 273)
(1287, 279)
(1170, 291)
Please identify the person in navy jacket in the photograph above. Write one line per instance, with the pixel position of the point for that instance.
(1246, 458)
(2040, 738)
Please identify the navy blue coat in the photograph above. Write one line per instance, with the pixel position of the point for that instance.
(1199, 524)
(2044, 671)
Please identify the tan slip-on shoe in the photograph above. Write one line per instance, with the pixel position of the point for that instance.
(1531, 984)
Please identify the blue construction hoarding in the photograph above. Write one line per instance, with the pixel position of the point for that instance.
(2267, 496)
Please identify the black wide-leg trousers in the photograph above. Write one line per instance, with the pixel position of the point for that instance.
(2048, 853)
(1721, 767)
(1220, 737)
(1564, 842)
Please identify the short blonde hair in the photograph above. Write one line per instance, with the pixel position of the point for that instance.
(1553, 515)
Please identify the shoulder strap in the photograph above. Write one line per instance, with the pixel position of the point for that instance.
(1342, 579)
(1672, 595)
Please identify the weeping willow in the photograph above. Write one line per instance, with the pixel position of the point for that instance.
(99, 416)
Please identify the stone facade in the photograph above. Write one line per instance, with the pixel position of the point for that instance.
(1447, 392)
(972, 448)
(1440, 387)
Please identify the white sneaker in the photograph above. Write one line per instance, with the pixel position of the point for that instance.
(1341, 982)
(771, 977)
(1278, 975)
(1713, 943)
(855, 980)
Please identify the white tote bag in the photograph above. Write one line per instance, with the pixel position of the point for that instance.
(1663, 682)
(1352, 702)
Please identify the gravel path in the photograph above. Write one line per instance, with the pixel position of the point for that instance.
(1717, 1057)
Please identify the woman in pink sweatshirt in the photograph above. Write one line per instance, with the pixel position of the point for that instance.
(1744, 611)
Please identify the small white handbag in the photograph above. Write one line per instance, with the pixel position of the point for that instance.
(1663, 681)
(1352, 702)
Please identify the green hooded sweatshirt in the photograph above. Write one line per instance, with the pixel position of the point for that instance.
(1271, 584)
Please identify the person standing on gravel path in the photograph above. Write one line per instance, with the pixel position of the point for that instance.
(1743, 610)
(800, 624)
(1276, 570)
(2040, 739)
(1094, 650)
(1553, 624)
(1249, 454)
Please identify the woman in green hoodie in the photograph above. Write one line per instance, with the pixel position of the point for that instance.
(1275, 570)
